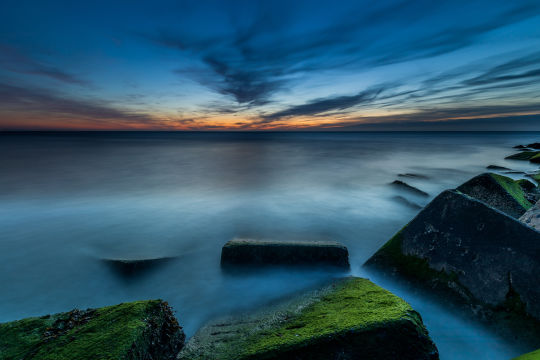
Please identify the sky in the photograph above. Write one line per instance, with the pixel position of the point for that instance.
(270, 65)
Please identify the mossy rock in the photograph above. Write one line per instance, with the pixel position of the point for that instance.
(250, 252)
(351, 318)
(535, 355)
(135, 330)
(500, 192)
(460, 245)
(526, 185)
(524, 155)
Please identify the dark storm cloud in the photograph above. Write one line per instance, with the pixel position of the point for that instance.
(13, 98)
(251, 63)
(15, 61)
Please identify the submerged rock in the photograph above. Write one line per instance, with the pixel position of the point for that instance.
(407, 202)
(533, 156)
(264, 252)
(414, 176)
(498, 191)
(133, 266)
(135, 330)
(351, 318)
(404, 186)
(461, 246)
(496, 167)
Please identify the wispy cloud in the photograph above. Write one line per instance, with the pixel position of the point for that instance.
(15, 61)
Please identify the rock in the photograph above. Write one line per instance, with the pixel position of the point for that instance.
(534, 146)
(519, 147)
(460, 246)
(265, 252)
(135, 330)
(535, 355)
(526, 185)
(414, 176)
(498, 191)
(404, 186)
(134, 266)
(532, 217)
(496, 167)
(525, 155)
(351, 318)
(407, 202)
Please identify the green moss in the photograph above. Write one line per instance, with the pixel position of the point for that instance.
(535, 355)
(535, 158)
(524, 155)
(108, 333)
(512, 187)
(356, 304)
(348, 316)
(17, 338)
(391, 254)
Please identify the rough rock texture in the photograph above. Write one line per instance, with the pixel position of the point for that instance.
(535, 355)
(262, 252)
(349, 319)
(136, 330)
(532, 217)
(498, 191)
(461, 245)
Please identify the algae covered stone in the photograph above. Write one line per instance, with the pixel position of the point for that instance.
(535, 355)
(461, 245)
(135, 330)
(498, 191)
(524, 155)
(351, 318)
(266, 252)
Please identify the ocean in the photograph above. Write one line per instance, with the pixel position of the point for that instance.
(69, 200)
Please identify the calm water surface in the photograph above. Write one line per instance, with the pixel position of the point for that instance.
(67, 201)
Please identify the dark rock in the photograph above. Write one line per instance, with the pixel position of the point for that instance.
(461, 246)
(414, 176)
(526, 185)
(292, 253)
(525, 155)
(498, 191)
(351, 318)
(407, 202)
(135, 266)
(496, 167)
(532, 217)
(135, 330)
(404, 186)
(534, 146)
(519, 147)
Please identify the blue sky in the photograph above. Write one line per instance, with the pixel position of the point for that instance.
(270, 65)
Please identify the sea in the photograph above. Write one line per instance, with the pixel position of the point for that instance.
(70, 201)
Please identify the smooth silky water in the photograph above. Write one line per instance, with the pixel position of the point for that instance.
(69, 200)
